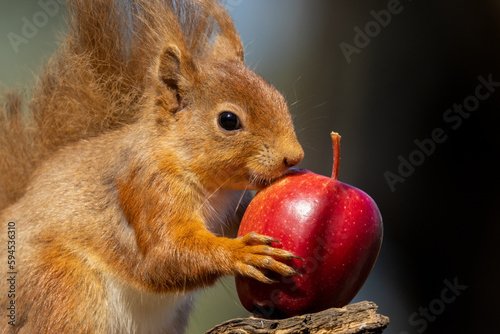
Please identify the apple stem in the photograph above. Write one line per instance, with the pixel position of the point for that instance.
(336, 154)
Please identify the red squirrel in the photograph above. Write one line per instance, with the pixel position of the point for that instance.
(123, 174)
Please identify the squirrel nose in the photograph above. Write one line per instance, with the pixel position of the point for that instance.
(293, 158)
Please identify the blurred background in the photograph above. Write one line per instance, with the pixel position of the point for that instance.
(385, 75)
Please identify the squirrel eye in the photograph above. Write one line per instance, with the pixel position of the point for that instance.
(229, 121)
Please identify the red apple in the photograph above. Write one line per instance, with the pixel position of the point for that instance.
(336, 229)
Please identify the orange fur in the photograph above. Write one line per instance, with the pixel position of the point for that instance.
(122, 183)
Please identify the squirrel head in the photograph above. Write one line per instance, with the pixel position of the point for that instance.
(232, 129)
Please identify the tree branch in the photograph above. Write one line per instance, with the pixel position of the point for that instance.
(355, 318)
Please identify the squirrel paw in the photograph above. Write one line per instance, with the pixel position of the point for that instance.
(254, 255)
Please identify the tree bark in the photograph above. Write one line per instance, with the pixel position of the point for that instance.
(355, 318)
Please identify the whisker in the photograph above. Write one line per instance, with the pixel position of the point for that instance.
(307, 126)
(295, 89)
(229, 291)
(293, 104)
(212, 194)
(311, 147)
(240, 200)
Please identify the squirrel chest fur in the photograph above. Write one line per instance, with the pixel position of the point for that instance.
(131, 173)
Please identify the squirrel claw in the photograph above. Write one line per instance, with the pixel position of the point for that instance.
(255, 238)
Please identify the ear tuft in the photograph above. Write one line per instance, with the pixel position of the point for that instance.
(177, 72)
(224, 48)
(170, 66)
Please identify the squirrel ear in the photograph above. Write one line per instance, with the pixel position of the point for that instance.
(227, 48)
(176, 71)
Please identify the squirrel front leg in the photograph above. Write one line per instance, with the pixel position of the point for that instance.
(178, 252)
(194, 257)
